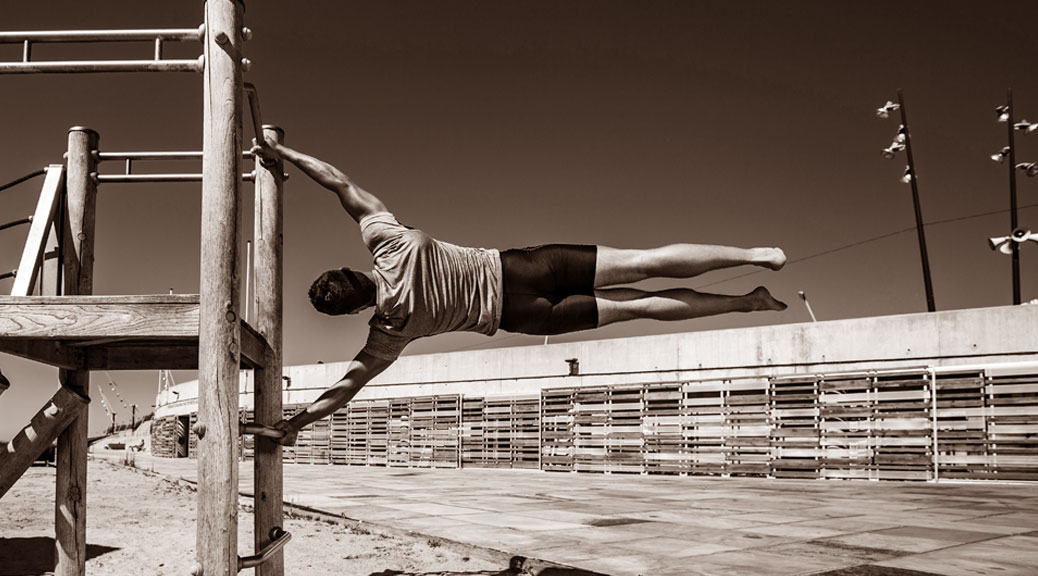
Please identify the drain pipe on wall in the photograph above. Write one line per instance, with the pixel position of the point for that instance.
(933, 418)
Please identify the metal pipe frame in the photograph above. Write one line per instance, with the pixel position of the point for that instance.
(99, 66)
(279, 539)
(160, 155)
(144, 35)
(171, 155)
(151, 178)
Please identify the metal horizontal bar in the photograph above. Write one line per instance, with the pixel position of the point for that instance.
(145, 35)
(280, 538)
(125, 178)
(19, 222)
(6, 275)
(103, 156)
(90, 66)
(18, 181)
(260, 430)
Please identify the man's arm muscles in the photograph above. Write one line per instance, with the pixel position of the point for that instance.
(361, 370)
(357, 201)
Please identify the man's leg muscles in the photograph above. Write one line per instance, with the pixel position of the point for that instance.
(623, 266)
(621, 304)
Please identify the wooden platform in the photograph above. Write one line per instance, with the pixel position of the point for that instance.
(113, 332)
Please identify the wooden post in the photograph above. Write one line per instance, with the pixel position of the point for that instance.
(17, 455)
(219, 330)
(78, 264)
(268, 310)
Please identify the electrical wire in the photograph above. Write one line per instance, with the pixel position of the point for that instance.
(870, 240)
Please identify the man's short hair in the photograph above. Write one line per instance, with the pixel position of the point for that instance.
(341, 291)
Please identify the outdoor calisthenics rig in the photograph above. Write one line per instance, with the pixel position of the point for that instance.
(79, 333)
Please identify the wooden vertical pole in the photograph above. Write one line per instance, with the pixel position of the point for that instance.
(78, 264)
(219, 328)
(269, 225)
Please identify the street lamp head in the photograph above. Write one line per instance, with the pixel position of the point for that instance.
(1003, 113)
(1025, 126)
(1004, 244)
(885, 110)
(892, 150)
(1031, 168)
(908, 175)
(1001, 156)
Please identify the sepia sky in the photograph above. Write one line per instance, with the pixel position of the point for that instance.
(503, 124)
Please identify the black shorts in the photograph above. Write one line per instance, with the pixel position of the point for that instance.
(549, 289)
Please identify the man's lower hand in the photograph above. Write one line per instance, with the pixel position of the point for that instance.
(289, 439)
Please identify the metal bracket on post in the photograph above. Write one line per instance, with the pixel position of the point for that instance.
(278, 539)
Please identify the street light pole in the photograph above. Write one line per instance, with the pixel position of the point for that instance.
(918, 211)
(1012, 196)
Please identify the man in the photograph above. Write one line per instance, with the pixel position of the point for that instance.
(421, 286)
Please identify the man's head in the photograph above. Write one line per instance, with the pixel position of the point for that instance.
(342, 291)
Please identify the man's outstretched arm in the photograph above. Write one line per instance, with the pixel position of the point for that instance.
(357, 201)
(360, 371)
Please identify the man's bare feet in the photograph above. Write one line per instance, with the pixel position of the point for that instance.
(763, 300)
(772, 258)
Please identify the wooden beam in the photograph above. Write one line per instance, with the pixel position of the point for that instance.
(269, 272)
(256, 353)
(36, 243)
(17, 455)
(97, 317)
(51, 352)
(143, 356)
(219, 344)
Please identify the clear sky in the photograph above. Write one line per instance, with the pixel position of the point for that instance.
(503, 124)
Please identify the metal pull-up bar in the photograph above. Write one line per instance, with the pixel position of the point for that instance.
(260, 430)
(156, 64)
(278, 539)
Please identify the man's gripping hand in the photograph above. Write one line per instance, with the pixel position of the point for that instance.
(265, 152)
(289, 439)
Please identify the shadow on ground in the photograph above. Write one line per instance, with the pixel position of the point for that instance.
(517, 566)
(35, 556)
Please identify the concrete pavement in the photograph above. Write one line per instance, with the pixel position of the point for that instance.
(632, 524)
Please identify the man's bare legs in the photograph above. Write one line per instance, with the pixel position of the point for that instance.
(624, 266)
(620, 304)
(617, 266)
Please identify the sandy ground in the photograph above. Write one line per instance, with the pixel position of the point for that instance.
(139, 522)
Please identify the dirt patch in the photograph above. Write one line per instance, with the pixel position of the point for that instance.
(139, 522)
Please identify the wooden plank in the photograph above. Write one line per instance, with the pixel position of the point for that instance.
(36, 243)
(96, 318)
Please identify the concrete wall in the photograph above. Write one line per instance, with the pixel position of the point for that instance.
(941, 339)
